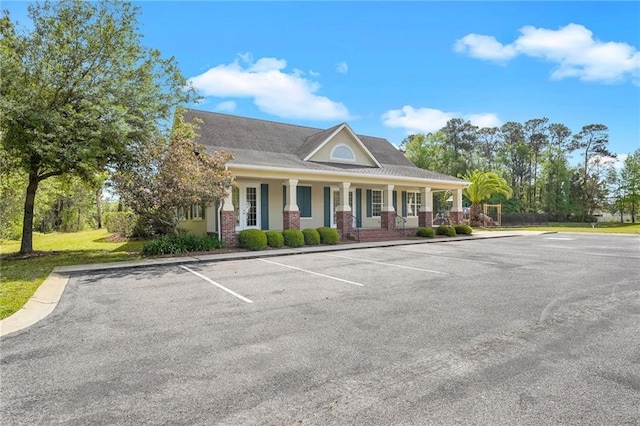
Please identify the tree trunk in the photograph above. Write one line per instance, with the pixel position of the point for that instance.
(26, 246)
(474, 215)
(99, 206)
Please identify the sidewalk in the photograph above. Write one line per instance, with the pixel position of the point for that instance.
(477, 235)
(46, 297)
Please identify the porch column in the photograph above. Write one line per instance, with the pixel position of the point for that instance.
(344, 221)
(228, 220)
(425, 214)
(388, 213)
(456, 210)
(291, 212)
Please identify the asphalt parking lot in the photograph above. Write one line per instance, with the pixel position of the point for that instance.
(525, 330)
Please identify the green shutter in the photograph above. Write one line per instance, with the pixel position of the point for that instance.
(369, 203)
(404, 203)
(284, 196)
(359, 207)
(304, 200)
(395, 200)
(327, 206)
(264, 206)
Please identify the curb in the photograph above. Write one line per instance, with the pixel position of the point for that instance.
(41, 304)
(48, 294)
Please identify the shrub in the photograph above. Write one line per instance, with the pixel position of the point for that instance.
(252, 239)
(426, 232)
(463, 229)
(171, 244)
(447, 230)
(311, 237)
(328, 235)
(123, 223)
(274, 239)
(293, 237)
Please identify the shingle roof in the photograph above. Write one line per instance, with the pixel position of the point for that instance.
(267, 143)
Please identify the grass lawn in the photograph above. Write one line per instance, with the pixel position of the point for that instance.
(20, 277)
(606, 228)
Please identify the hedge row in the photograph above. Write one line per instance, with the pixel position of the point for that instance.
(255, 239)
(172, 244)
(448, 230)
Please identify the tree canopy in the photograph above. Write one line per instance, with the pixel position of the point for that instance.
(534, 158)
(80, 92)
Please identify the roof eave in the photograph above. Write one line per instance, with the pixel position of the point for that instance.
(285, 172)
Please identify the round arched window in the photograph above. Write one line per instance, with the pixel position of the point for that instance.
(342, 152)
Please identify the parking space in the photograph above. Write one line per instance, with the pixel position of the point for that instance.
(523, 330)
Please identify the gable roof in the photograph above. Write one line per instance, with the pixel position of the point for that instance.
(323, 138)
(270, 144)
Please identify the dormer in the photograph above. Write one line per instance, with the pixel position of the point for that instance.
(338, 145)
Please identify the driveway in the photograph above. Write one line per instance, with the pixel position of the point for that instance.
(523, 330)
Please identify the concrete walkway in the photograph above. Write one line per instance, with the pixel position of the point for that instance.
(47, 296)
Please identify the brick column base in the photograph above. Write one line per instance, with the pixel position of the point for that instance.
(456, 218)
(425, 219)
(291, 219)
(228, 228)
(388, 220)
(344, 224)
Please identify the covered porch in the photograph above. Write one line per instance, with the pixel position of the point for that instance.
(363, 209)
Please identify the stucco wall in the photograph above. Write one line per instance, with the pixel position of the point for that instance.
(195, 227)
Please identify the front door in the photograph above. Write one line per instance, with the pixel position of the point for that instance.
(246, 203)
(335, 202)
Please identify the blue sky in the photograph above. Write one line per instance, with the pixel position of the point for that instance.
(393, 68)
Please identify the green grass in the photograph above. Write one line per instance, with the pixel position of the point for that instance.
(601, 228)
(20, 277)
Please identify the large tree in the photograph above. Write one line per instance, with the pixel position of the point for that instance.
(630, 176)
(80, 92)
(592, 140)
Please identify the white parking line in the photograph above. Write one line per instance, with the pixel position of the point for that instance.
(244, 299)
(311, 272)
(388, 264)
(446, 257)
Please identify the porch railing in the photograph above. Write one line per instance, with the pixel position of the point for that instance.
(358, 225)
(400, 220)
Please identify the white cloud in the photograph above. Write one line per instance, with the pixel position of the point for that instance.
(226, 106)
(342, 67)
(313, 73)
(484, 47)
(484, 120)
(572, 48)
(429, 120)
(274, 91)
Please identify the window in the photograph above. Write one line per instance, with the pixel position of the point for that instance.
(342, 152)
(413, 203)
(376, 203)
(182, 214)
(197, 212)
(303, 194)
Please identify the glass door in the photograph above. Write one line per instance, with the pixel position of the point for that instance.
(247, 206)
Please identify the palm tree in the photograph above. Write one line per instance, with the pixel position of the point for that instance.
(483, 186)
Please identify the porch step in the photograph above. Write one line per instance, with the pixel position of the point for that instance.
(371, 235)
